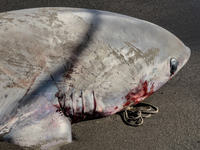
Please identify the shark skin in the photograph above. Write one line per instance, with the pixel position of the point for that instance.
(63, 65)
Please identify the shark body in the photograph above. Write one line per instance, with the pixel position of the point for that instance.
(83, 63)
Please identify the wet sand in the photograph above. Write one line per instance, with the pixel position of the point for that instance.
(177, 125)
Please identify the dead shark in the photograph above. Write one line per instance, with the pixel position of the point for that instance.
(64, 65)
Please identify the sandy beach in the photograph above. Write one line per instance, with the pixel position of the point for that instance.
(177, 125)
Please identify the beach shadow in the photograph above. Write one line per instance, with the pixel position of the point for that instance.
(26, 101)
(73, 59)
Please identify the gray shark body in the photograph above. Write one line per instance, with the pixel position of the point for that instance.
(83, 63)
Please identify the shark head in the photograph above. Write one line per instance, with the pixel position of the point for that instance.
(148, 56)
(163, 57)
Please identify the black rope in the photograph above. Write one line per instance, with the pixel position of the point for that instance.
(134, 115)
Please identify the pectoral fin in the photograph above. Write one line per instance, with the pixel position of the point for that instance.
(40, 125)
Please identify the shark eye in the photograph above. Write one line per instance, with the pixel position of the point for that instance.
(173, 65)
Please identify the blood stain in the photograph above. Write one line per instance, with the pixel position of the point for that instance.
(135, 94)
